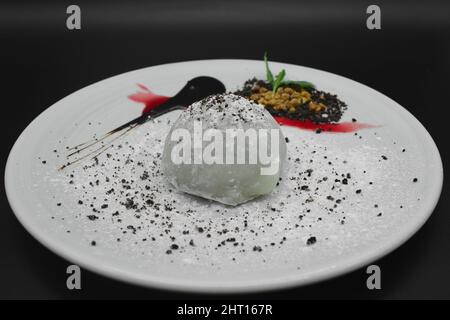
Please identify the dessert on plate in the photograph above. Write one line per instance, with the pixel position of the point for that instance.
(239, 154)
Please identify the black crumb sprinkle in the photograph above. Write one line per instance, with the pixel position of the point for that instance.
(257, 248)
(200, 229)
(311, 241)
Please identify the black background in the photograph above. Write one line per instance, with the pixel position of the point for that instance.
(408, 60)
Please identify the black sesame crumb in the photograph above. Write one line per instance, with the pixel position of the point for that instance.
(257, 248)
(311, 241)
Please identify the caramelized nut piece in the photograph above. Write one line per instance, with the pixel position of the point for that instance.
(288, 90)
(316, 107)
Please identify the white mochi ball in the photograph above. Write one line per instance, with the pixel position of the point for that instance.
(225, 148)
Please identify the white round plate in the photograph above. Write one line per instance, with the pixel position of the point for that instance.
(350, 232)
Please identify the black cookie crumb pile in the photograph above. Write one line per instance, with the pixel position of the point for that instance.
(332, 111)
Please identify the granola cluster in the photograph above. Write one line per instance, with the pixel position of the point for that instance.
(294, 101)
(284, 99)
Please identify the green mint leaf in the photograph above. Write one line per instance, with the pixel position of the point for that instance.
(278, 80)
(269, 74)
(302, 84)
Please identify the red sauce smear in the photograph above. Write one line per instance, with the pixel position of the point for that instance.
(152, 100)
(148, 98)
(342, 127)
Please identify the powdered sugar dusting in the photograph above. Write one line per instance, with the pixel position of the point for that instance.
(332, 199)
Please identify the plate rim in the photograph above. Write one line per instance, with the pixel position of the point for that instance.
(283, 282)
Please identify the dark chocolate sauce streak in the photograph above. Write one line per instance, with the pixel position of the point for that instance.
(195, 89)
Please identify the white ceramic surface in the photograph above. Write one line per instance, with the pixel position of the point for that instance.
(34, 189)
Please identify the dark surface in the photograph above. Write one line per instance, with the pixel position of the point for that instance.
(408, 60)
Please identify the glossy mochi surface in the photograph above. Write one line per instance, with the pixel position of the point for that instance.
(225, 177)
